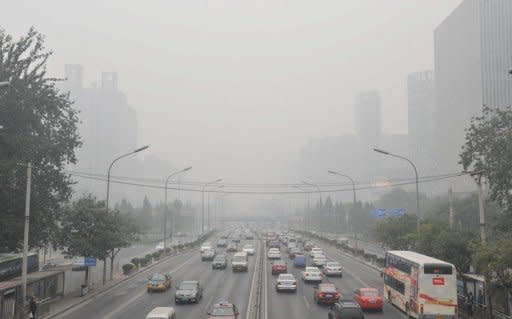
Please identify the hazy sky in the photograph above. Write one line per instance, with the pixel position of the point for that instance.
(235, 88)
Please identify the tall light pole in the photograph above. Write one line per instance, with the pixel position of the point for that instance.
(354, 200)
(208, 208)
(202, 201)
(140, 149)
(308, 209)
(318, 189)
(166, 208)
(418, 213)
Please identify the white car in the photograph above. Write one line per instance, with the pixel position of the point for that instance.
(206, 246)
(333, 268)
(274, 253)
(312, 274)
(316, 251)
(249, 249)
(160, 245)
(286, 282)
(319, 260)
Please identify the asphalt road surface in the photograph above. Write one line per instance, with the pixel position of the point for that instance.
(302, 305)
(131, 300)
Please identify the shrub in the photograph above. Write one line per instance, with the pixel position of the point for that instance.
(128, 268)
(167, 250)
(135, 261)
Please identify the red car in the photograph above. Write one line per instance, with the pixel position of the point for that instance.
(368, 298)
(326, 294)
(279, 267)
(224, 310)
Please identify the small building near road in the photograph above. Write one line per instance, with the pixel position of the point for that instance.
(46, 286)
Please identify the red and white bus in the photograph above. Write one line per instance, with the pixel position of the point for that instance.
(421, 286)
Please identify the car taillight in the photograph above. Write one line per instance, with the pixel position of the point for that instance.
(321, 295)
(337, 296)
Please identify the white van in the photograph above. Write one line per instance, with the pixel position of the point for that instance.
(162, 313)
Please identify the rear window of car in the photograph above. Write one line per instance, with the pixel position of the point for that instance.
(369, 293)
(352, 313)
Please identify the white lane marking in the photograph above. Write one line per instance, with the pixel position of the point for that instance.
(143, 292)
(265, 274)
(351, 274)
(249, 303)
(306, 301)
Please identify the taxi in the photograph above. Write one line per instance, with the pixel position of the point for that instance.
(159, 282)
(224, 310)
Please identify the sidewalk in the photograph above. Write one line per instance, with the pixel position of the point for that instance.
(74, 299)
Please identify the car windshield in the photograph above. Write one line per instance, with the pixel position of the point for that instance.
(239, 258)
(157, 277)
(248, 246)
(187, 286)
(369, 293)
(279, 263)
(223, 311)
(286, 277)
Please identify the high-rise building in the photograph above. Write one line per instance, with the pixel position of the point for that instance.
(421, 106)
(367, 111)
(473, 51)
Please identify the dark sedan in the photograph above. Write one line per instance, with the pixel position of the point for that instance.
(188, 291)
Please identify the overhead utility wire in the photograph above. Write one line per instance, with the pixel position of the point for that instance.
(276, 192)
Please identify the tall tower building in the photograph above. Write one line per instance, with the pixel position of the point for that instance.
(421, 96)
(368, 129)
(473, 51)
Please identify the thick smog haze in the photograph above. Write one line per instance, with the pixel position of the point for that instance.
(237, 88)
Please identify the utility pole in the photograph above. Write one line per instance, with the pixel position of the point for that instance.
(478, 179)
(450, 205)
(25, 239)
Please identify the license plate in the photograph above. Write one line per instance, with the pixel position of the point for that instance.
(328, 296)
(439, 317)
(372, 301)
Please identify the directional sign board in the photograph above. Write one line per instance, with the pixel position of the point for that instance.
(84, 261)
(385, 213)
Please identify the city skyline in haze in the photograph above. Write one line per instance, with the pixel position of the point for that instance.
(234, 89)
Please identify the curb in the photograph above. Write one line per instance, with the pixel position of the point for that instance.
(99, 293)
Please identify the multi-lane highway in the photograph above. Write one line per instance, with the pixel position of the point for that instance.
(131, 300)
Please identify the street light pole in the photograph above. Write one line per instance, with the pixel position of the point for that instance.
(418, 213)
(208, 208)
(167, 209)
(202, 202)
(318, 189)
(354, 200)
(307, 211)
(140, 149)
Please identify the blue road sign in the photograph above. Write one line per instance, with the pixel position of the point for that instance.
(384, 213)
(89, 261)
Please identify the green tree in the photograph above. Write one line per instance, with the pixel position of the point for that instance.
(396, 232)
(146, 213)
(39, 125)
(488, 148)
(85, 229)
(123, 231)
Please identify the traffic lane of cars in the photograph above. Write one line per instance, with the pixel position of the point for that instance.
(302, 302)
(123, 293)
(357, 275)
(217, 285)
